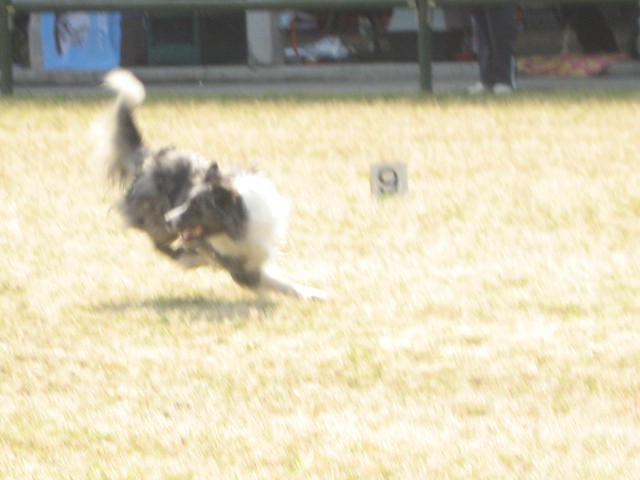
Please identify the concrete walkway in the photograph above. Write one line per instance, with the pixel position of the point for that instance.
(327, 79)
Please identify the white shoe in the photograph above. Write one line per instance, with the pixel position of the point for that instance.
(502, 89)
(477, 88)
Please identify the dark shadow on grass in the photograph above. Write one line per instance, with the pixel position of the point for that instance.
(188, 308)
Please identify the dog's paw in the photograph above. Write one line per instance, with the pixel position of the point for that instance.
(191, 259)
(310, 293)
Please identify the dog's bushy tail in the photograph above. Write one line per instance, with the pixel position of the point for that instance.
(122, 151)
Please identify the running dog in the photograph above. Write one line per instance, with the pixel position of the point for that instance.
(193, 212)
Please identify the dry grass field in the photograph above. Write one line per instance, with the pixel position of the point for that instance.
(485, 325)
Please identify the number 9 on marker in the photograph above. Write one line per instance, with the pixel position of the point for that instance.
(388, 178)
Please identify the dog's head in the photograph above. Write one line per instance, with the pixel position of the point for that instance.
(212, 207)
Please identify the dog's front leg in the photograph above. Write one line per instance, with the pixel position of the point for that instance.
(187, 258)
(170, 252)
(193, 259)
(270, 280)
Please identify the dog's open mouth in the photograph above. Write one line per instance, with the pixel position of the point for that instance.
(191, 233)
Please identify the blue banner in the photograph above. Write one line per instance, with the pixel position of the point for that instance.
(80, 40)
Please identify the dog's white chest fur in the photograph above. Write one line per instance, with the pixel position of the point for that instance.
(267, 213)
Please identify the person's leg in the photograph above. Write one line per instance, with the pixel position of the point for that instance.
(483, 44)
(502, 34)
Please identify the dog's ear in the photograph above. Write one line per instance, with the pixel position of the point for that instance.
(213, 174)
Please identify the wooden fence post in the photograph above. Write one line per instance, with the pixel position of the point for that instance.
(424, 45)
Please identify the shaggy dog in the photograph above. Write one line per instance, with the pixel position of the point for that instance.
(192, 211)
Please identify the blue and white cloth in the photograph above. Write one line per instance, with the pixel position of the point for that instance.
(80, 40)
